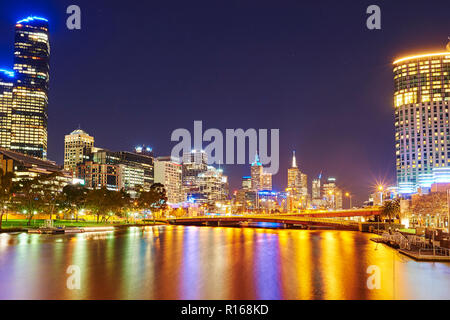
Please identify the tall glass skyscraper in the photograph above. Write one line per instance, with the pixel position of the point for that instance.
(6, 89)
(30, 92)
(422, 137)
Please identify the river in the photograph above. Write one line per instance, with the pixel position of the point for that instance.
(184, 262)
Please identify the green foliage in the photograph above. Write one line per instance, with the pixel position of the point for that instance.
(154, 200)
(6, 188)
(391, 209)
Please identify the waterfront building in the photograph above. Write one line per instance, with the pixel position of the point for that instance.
(76, 146)
(422, 137)
(99, 175)
(30, 92)
(168, 171)
(27, 167)
(6, 104)
(135, 169)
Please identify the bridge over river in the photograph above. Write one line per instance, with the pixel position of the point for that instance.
(334, 219)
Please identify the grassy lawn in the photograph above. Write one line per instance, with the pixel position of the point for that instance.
(411, 231)
(59, 223)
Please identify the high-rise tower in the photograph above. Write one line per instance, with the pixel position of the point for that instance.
(422, 137)
(294, 175)
(6, 89)
(76, 146)
(30, 93)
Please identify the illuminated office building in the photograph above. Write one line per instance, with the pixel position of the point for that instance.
(6, 89)
(168, 171)
(422, 137)
(76, 145)
(260, 179)
(294, 176)
(316, 189)
(332, 195)
(30, 92)
(246, 183)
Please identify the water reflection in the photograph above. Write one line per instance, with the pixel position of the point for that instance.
(176, 262)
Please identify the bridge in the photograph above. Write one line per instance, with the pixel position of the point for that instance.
(333, 219)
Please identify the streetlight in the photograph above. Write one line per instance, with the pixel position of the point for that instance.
(347, 194)
(381, 188)
(331, 193)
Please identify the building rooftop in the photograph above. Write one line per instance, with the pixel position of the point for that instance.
(79, 131)
(32, 18)
(30, 162)
(420, 56)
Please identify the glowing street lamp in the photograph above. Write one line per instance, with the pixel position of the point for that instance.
(347, 194)
(381, 188)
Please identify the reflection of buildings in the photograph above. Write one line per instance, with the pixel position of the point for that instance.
(422, 138)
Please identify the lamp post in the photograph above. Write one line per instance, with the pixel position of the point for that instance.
(347, 194)
(380, 188)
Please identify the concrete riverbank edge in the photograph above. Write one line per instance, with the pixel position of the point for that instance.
(414, 254)
(87, 229)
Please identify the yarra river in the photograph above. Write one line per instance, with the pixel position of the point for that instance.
(182, 262)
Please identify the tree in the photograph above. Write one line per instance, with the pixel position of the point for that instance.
(391, 209)
(97, 201)
(6, 188)
(50, 193)
(29, 198)
(434, 203)
(155, 199)
(73, 199)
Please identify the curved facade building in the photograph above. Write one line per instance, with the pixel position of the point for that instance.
(30, 93)
(422, 137)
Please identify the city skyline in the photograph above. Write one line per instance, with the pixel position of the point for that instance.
(160, 94)
(235, 152)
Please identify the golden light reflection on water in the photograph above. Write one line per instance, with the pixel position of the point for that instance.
(176, 262)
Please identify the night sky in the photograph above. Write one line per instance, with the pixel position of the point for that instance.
(137, 70)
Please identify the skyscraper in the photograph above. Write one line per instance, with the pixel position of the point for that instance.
(256, 172)
(168, 172)
(76, 145)
(422, 137)
(294, 175)
(30, 92)
(6, 89)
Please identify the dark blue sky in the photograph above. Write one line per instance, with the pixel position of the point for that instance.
(137, 70)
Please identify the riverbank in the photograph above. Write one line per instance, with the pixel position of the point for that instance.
(13, 226)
